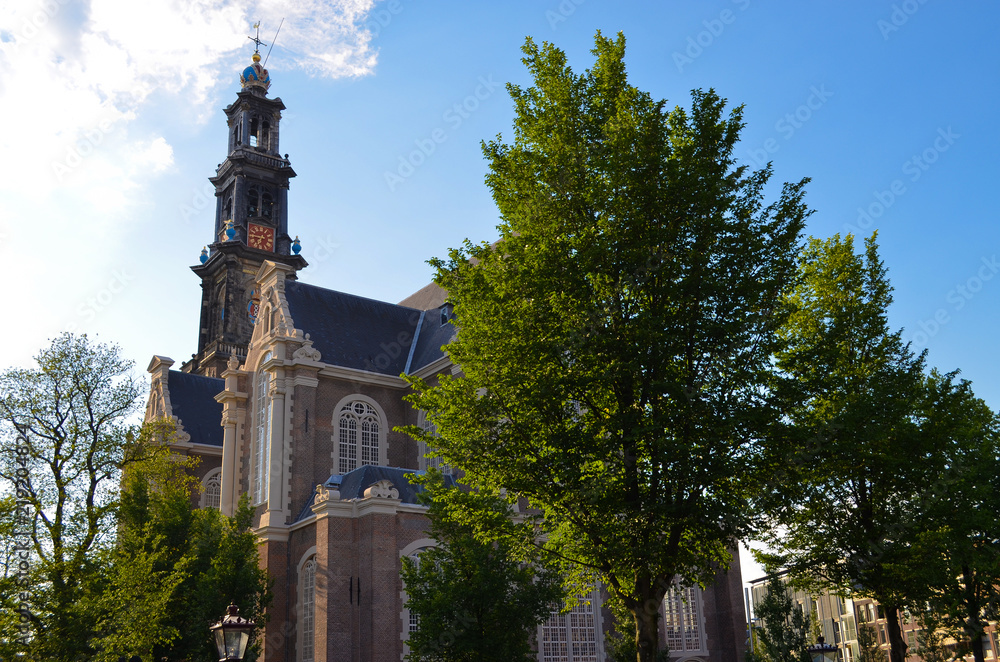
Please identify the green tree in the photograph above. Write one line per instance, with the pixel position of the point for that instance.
(67, 432)
(867, 448)
(868, 646)
(931, 638)
(615, 340)
(961, 540)
(175, 568)
(784, 631)
(474, 599)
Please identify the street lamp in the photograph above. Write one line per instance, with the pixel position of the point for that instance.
(232, 634)
(822, 652)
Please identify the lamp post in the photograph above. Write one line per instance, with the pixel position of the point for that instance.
(232, 634)
(822, 652)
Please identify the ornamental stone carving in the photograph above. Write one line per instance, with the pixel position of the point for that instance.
(307, 351)
(323, 494)
(383, 489)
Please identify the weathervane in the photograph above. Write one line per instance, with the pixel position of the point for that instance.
(256, 39)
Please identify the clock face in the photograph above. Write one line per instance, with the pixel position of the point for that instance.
(259, 236)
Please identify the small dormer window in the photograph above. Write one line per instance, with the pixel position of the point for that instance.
(446, 313)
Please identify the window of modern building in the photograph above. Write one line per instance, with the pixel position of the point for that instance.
(682, 618)
(307, 615)
(262, 435)
(572, 637)
(359, 427)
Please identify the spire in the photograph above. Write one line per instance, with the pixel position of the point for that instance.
(255, 77)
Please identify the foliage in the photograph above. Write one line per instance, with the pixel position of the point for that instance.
(863, 431)
(475, 601)
(67, 433)
(784, 633)
(931, 639)
(868, 646)
(962, 540)
(175, 569)
(615, 340)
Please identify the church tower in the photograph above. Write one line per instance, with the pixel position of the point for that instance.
(251, 225)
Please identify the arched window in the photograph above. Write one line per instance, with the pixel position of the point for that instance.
(307, 615)
(253, 201)
(572, 637)
(211, 495)
(359, 428)
(266, 204)
(411, 622)
(253, 131)
(262, 435)
(682, 619)
(265, 132)
(425, 462)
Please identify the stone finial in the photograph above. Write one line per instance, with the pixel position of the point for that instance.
(307, 351)
(323, 494)
(383, 489)
(233, 363)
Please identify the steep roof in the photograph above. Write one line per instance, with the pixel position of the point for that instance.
(192, 401)
(429, 296)
(355, 332)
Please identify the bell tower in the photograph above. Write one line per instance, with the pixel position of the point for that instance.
(251, 224)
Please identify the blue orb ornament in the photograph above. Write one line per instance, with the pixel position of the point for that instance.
(230, 231)
(204, 255)
(296, 245)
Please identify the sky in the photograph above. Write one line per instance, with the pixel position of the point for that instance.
(113, 122)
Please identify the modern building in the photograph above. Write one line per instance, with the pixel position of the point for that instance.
(293, 398)
(840, 617)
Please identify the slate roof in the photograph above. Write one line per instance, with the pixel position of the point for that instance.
(353, 484)
(355, 332)
(429, 296)
(192, 400)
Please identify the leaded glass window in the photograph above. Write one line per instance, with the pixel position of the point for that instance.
(358, 419)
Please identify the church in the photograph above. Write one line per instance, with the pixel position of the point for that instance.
(292, 398)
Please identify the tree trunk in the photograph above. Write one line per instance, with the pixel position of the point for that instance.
(973, 624)
(645, 608)
(647, 636)
(897, 647)
(977, 648)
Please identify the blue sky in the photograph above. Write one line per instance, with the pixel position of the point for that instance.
(113, 122)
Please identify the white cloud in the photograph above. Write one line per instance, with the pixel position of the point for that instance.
(76, 74)
(80, 154)
(325, 38)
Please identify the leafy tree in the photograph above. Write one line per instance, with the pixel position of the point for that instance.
(175, 569)
(614, 342)
(785, 630)
(66, 432)
(867, 446)
(475, 601)
(962, 540)
(931, 638)
(868, 646)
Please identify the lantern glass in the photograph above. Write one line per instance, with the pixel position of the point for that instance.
(232, 634)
